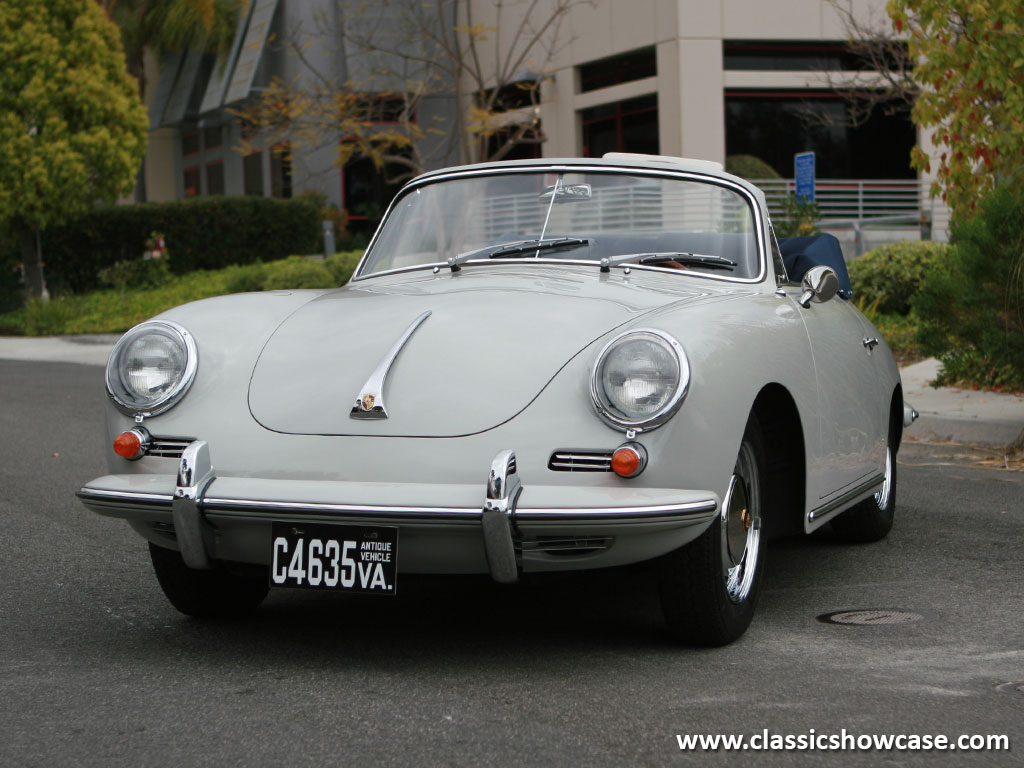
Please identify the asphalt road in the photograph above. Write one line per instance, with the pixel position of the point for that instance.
(96, 668)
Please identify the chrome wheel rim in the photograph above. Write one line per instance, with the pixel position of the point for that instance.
(741, 527)
(882, 497)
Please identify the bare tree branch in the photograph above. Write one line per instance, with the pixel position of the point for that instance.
(885, 80)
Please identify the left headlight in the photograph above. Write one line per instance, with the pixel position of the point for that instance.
(151, 367)
(640, 379)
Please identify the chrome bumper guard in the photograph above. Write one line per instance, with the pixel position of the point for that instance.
(498, 516)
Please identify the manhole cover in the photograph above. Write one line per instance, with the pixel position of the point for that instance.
(870, 618)
(1017, 687)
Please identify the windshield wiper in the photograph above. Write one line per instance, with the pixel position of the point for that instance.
(686, 259)
(515, 248)
(538, 245)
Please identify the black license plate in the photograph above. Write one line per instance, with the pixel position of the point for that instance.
(350, 558)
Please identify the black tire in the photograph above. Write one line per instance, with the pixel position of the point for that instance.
(872, 519)
(210, 594)
(709, 588)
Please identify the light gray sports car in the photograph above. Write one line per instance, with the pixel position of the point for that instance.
(537, 366)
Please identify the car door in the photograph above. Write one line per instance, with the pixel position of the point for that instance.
(851, 417)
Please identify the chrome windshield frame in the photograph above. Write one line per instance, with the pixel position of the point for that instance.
(757, 214)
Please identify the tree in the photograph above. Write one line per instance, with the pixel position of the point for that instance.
(881, 76)
(969, 58)
(403, 53)
(72, 128)
(164, 26)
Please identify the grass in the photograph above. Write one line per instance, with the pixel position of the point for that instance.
(115, 311)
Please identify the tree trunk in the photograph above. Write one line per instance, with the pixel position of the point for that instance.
(32, 260)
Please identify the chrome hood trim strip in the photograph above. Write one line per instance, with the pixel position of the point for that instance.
(370, 403)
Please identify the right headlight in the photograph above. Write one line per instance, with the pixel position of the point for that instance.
(640, 379)
(151, 367)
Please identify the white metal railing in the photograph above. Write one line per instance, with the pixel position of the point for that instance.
(636, 208)
(853, 198)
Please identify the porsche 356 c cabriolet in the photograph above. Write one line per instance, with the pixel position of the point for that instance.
(537, 366)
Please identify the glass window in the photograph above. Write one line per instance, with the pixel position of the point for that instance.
(616, 213)
(367, 192)
(797, 56)
(189, 143)
(212, 137)
(280, 171)
(252, 170)
(215, 178)
(192, 181)
(624, 68)
(775, 125)
(624, 126)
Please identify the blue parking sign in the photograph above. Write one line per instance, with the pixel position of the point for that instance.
(803, 167)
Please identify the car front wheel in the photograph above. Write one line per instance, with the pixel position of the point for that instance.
(709, 587)
(207, 594)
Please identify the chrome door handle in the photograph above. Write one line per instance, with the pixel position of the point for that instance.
(870, 344)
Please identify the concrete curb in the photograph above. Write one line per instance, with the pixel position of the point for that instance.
(955, 415)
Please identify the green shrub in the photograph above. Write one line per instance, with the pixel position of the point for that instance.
(900, 333)
(342, 265)
(297, 272)
(891, 274)
(972, 309)
(203, 233)
(750, 167)
(245, 279)
(136, 273)
(799, 217)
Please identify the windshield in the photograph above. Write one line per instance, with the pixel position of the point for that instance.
(580, 216)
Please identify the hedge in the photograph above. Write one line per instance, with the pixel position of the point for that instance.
(892, 274)
(201, 233)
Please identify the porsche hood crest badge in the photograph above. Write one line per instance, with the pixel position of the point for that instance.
(370, 404)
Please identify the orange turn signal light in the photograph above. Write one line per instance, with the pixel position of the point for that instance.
(129, 445)
(629, 460)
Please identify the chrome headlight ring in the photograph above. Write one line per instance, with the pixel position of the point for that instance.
(666, 404)
(168, 383)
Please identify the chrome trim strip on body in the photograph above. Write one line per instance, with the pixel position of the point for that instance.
(865, 487)
(684, 509)
(95, 494)
(435, 176)
(370, 403)
(422, 514)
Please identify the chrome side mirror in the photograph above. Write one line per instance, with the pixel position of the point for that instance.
(819, 285)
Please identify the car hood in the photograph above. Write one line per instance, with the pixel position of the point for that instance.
(493, 340)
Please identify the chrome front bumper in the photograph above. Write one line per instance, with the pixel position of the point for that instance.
(205, 511)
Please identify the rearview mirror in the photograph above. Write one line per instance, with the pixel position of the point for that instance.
(819, 285)
(568, 193)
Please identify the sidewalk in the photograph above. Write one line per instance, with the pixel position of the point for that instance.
(947, 414)
(88, 350)
(960, 415)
